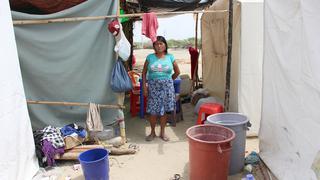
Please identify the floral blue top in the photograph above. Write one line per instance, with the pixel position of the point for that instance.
(160, 68)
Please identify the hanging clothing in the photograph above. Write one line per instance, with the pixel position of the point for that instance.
(133, 61)
(93, 121)
(194, 55)
(114, 27)
(123, 46)
(150, 25)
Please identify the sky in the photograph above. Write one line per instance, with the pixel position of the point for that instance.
(175, 27)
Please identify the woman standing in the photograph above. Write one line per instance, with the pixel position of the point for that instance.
(161, 69)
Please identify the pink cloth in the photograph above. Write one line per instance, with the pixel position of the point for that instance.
(150, 25)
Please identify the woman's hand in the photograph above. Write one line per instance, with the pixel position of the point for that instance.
(144, 73)
(176, 70)
(145, 91)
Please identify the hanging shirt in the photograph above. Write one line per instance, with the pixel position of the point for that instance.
(160, 68)
(150, 25)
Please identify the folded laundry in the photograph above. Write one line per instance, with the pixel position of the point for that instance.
(73, 128)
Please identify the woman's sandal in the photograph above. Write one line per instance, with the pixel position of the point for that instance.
(150, 137)
(164, 138)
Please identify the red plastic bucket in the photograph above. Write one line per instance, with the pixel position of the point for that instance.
(209, 151)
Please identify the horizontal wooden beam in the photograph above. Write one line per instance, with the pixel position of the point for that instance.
(74, 104)
(91, 18)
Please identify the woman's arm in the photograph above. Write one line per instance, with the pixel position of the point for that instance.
(144, 77)
(176, 70)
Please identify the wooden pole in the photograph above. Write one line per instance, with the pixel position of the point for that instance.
(75, 19)
(74, 104)
(195, 76)
(228, 72)
(196, 30)
(118, 8)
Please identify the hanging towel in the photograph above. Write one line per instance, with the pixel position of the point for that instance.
(94, 122)
(150, 25)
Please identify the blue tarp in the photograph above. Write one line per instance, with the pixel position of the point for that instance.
(70, 62)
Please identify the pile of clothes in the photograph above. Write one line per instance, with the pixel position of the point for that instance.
(50, 141)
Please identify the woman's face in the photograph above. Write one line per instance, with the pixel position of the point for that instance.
(159, 46)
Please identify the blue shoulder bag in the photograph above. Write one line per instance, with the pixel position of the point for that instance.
(120, 80)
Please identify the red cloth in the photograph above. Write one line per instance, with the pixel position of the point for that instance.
(133, 60)
(114, 27)
(43, 6)
(150, 25)
(194, 55)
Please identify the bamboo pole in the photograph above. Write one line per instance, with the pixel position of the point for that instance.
(91, 18)
(196, 46)
(228, 72)
(74, 104)
(196, 31)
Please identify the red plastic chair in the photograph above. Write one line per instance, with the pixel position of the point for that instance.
(208, 109)
(134, 100)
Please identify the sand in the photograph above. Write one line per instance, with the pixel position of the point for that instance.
(155, 160)
(182, 57)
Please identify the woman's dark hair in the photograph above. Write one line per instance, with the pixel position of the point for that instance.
(162, 39)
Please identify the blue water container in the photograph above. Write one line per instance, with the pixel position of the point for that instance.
(95, 164)
(176, 84)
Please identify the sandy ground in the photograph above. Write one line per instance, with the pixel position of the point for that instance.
(156, 160)
(182, 57)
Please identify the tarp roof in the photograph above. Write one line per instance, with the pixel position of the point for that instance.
(166, 5)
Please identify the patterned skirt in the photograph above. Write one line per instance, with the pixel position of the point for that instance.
(161, 96)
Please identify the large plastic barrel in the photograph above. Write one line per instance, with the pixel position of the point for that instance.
(95, 164)
(239, 124)
(209, 151)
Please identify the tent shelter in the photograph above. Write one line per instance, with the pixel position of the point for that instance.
(290, 81)
(289, 132)
(166, 5)
(53, 55)
(17, 157)
(246, 65)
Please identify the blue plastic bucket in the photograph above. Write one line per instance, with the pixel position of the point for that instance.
(95, 164)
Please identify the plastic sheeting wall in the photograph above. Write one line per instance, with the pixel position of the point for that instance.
(17, 155)
(247, 51)
(68, 62)
(214, 33)
(289, 133)
(250, 65)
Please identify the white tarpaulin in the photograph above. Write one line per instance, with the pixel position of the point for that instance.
(250, 65)
(247, 51)
(17, 155)
(290, 126)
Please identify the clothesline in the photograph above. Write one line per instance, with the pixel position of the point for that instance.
(74, 104)
(75, 19)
